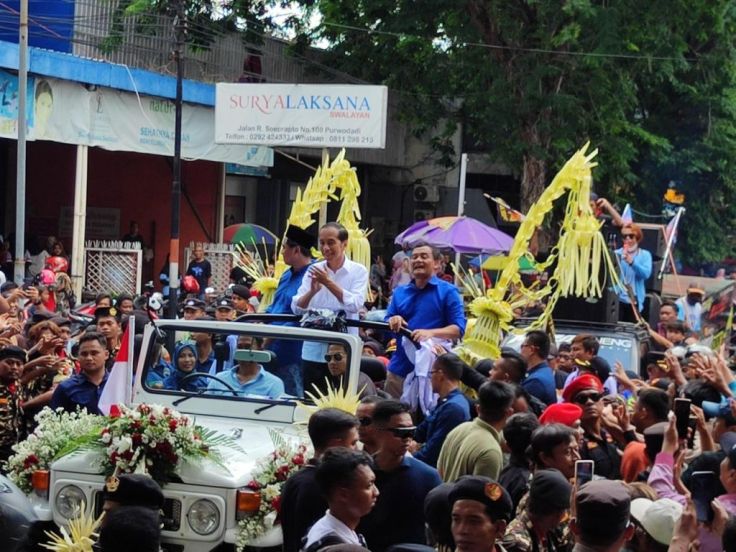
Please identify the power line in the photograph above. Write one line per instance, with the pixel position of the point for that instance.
(644, 57)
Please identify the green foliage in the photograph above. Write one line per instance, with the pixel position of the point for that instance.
(649, 83)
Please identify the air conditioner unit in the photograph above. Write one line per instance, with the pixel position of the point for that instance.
(426, 193)
(423, 214)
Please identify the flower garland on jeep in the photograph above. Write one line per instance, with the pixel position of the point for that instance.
(268, 482)
(153, 439)
(148, 439)
(55, 430)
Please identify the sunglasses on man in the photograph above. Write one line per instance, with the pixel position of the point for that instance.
(402, 432)
(337, 356)
(583, 399)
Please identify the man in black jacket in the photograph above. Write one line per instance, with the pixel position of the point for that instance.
(302, 502)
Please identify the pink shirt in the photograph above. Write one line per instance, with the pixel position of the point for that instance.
(661, 479)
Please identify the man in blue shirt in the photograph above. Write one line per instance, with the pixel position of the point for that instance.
(452, 409)
(296, 252)
(83, 390)
(248, 378)
(430, 307)
(540, 378)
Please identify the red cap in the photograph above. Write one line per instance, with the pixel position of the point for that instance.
(586, 381)
(561, 413)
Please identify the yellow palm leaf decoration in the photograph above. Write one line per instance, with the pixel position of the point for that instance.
(581, 254)
(340, 398)
(81, 536)
(320, 189)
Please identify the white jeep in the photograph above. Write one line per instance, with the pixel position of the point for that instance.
(204, 505)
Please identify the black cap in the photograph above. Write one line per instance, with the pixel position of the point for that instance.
(437, 513)
(134, 489)
(550, 488)
(102, 312)
(602, 509)
(241, 291)
(41, 316)
(193, 303)
(300, 237)
(11, 351)
(224, 303)
(8, 286)
(61, 321)
(486, 491)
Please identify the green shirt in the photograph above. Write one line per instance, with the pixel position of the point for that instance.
(472, 448)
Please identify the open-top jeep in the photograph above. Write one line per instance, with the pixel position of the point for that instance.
(206, 499)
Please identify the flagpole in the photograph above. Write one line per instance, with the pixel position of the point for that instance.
(131, 349)
(670, 240)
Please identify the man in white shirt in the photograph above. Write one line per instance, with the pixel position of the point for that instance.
(337, 284)
(346, 478)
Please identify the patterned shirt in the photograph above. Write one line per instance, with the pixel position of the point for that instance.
(9, 414)
(521, 537)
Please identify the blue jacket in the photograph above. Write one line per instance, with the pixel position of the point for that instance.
(540, 382)
(449, 413)
(636, 275)
(78, 391)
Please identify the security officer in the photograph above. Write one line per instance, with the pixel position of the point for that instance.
(224, 310)
(11, 365)
(474, 498)
(107, 320)
(132, 489)
(543, 525)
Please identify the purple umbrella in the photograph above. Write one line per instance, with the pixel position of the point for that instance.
(463, 234)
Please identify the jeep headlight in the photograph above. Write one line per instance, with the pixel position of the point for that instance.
(203, 517)
(69, 501)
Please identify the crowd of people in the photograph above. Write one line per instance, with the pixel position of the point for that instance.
(545, 448)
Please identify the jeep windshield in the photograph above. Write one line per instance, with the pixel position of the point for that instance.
(242, 362)
(615, 346)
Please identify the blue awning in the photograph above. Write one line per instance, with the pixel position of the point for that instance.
(102, 73)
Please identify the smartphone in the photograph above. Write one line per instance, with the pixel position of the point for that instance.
(682, 416)
(705, 487)
(583, 472)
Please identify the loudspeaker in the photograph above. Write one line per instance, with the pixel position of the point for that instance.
(603, 309)
(652, 283)
(653, 240)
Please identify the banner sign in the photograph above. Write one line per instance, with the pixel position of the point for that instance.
(101, 223)
(312, 115)
(70, 113)
(9, 104)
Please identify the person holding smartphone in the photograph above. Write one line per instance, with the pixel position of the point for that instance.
(663, 480)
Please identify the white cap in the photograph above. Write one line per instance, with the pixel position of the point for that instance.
(658, 518)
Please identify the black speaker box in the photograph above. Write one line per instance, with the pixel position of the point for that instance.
(603, 309)
(653, 284)
(653, 240)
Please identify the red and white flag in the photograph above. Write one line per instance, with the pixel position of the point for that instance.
(119, 387)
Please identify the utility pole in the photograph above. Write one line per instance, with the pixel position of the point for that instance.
(180, 29)
(20, 177)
